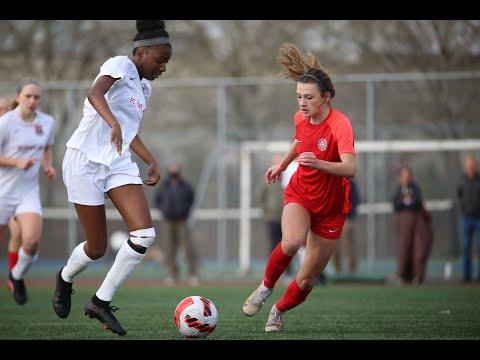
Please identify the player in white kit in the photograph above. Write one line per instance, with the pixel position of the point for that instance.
(98, 162)
(26, 136)
(15, 241)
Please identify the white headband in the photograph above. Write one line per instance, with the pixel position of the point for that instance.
(150, 42)
(312, 76)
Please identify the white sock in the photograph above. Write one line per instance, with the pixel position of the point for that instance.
(125, 262)
(77, 262)
(23, 264)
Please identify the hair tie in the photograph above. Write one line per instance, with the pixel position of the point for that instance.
(153, 41)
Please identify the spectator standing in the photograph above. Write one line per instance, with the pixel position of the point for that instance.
(414, 232)
(469, 195)
(174, 199)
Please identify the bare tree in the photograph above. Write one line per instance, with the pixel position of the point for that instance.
(58, 49)
(49, 50)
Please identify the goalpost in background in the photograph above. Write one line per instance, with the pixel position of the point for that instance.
(370, 208)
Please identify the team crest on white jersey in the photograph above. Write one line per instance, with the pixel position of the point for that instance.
(322, 144)
(38, 129)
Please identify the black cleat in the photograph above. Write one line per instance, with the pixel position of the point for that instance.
(18, 288)
(105, 316)
(62, 297)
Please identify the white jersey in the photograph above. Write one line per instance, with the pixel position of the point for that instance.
(127, 99)
(21, 139)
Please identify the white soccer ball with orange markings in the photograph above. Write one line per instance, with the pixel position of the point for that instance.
(195, 317)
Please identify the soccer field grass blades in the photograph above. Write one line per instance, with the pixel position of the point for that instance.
(105, 316)
(256, 299)
(275, 320)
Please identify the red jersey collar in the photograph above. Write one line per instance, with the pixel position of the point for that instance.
(324, 121)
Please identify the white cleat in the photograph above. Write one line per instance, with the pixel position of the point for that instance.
(256, 299)
(275, 320)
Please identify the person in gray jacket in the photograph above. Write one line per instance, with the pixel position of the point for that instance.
(469, 196)
(174, 199)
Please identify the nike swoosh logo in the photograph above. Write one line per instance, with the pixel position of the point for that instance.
(333, 230)
(132, 78)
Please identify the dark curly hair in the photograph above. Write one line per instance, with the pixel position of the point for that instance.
(148, 29)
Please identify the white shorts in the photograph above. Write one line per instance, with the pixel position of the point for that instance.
(30, 203)
(87, 182)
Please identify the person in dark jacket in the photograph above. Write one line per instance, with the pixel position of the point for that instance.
(414, 231)
(469, 195)
(347, 239)
(174, 199)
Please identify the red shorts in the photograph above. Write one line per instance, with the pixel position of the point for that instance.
(326, 226)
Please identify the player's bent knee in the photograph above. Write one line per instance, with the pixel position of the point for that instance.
(307, 283)
(143, 237)
(96, 254)
(31, 247)
(290, 247)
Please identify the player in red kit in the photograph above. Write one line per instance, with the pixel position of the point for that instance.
(317, 196)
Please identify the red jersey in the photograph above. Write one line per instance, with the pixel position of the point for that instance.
(324, 193)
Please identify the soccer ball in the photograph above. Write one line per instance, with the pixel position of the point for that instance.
(195, 317)
(117, 239)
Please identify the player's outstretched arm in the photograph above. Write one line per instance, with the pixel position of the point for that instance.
(141, 150)
(273, 173)
(96, 97)
(21, 163)
(47, 163)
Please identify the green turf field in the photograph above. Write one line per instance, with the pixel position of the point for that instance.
(331, 312)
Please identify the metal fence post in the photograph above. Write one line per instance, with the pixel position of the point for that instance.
(72, 220)
(370, 134)
(222, 175)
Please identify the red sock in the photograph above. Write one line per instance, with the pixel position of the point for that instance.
(12, 259)
(277, 263)
(292, 297)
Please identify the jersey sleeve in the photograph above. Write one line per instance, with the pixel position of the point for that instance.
(114, 67)
(297, 119)
(3, 132)
(52, 132)
(345, 138)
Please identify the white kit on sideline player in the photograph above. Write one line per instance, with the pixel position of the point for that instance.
(26, 136)
(98, 162)
(15, 241)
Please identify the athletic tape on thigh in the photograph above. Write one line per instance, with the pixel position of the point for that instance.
(143, 237)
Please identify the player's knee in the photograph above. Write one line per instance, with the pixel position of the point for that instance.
(96, 252)
(30, 246)
(307, 282)
(143, 237)
(290, 246)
